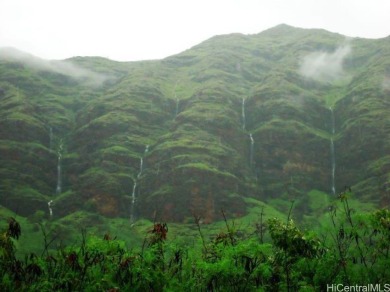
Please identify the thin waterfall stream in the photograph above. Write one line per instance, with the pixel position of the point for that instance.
(133, 195)
(332, 152)
(50, 208)
(59, 167)
(252, 141)
(243, 114)
(251, 150)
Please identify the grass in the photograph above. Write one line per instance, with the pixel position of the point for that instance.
(67, 230)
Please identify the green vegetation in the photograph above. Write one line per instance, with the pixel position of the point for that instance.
(277, 256)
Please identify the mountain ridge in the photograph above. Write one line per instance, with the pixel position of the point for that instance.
(278, 29)
(234, 117)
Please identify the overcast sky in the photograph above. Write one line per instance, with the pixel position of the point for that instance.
(129, 30)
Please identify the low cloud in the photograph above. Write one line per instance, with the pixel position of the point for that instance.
(61, 67)
(325, 66)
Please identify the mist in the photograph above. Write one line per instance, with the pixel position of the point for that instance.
(325, 66)
(61, 67)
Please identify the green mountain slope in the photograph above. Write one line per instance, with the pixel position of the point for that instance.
(268, 116)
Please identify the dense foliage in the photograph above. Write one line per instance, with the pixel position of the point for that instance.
(279, 256)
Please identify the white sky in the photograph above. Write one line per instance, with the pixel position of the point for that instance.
(129, 30)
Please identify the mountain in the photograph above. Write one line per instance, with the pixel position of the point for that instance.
(271, 116)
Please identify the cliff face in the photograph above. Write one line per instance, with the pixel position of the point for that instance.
(272, 115)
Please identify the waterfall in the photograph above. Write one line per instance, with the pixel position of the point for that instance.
(243, 114)
(133, 195)
(332, 121)
(50, 208)
(133, 201)
(332, 152)
(59, 169)
(141, 166)
(333, 162)
(251, 149)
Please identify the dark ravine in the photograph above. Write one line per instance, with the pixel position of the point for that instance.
(233, 117)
